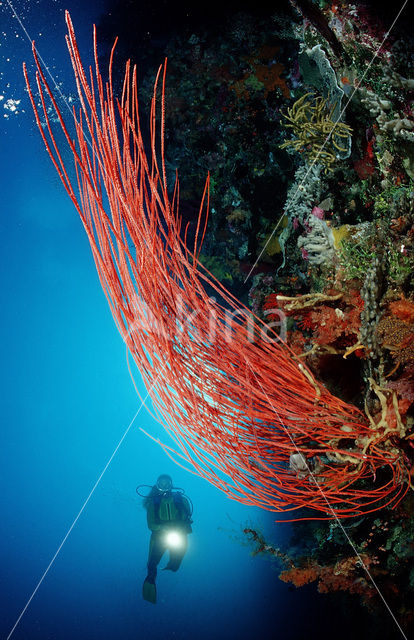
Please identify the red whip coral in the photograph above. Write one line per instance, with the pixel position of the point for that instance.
(236, 403)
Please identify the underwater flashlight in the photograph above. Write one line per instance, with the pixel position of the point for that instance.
(174, 539)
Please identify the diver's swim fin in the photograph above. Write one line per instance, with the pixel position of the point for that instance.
(149, 592)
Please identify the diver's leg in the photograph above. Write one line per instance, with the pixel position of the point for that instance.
(156, 550)
(176, 556)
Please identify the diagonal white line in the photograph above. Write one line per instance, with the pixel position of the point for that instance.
(300, 186)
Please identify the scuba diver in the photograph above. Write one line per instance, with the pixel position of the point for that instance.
(169, 519)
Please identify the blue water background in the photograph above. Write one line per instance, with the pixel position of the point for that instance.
(66, 401)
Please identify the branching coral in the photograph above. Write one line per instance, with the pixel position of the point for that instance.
(315, 131)
(398, 126)
(318, 244)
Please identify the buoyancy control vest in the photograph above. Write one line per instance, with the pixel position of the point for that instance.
(171, 508)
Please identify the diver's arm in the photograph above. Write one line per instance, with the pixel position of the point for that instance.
(187, 516)
(187, 508)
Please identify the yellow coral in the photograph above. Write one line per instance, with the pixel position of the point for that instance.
(340, 233)
(317, 134)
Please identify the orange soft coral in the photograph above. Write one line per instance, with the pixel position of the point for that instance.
(403, 309)
(344, 575)
(332, 324)
(301, 575)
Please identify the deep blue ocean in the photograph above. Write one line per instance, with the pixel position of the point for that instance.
(67, 400)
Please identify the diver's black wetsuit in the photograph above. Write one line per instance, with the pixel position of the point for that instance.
(169, 511)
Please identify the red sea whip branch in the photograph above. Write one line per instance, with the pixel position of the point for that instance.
(236, 405)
